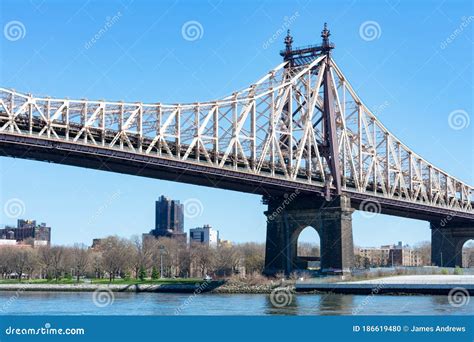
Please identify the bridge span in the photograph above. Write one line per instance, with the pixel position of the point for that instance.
(299, 136)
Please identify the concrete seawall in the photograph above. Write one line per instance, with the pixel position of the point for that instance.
(210, 287)
(176, 288)
(429, 284)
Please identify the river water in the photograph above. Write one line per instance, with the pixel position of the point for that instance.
(85, 303)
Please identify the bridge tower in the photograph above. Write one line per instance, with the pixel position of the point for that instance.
(447, 240)
(330, 213)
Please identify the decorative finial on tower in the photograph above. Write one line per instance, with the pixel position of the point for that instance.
(288, 41)
(325, 33)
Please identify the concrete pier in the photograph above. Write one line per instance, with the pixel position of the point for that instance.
(286, 219)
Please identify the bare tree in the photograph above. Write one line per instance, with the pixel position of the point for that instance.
(142, 255)
(184, 260)
(80, 260)
(424, 250)
(253, 255)
(96, 264)
(57, 261)
(32, 262)
(361, 261)
(23, 262)
(308, 249)
(166, 250)
(45, 257)
(227, 260)
(116, 255)
(6, 261)
(203, 258)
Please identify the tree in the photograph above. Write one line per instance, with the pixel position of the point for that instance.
(253, 255)
(57, 261)
(166, 250)
(116, 255)
(183, 260)
(97, 263)
(202, 257)
(142, 273)
(45, 258)
(80, 260)
(142, 255)
(154, 273)
(308, 249)
(424, 250)
(361, 261)
(227, 260)
(6, 261)
(23, 262)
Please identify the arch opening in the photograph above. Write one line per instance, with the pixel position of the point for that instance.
(468, 254)
(308, 254)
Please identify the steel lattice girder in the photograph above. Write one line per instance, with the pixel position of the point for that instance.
(274, 128)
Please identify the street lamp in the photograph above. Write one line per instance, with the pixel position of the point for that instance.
(162, 251)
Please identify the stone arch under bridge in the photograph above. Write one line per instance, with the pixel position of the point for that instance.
(306, 259)
(447, 241)
(287, 217)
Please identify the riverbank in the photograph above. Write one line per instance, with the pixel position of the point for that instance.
(219, 287)
(409, 284)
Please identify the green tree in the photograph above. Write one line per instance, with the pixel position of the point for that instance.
(154, 273)
(142, 273)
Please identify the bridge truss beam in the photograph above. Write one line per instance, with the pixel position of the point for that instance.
(275, 128)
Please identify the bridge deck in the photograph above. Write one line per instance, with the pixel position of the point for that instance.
(128, 162)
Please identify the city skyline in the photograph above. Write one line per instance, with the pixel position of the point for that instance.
(102, 203)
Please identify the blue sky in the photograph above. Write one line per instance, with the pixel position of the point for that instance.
(414, 72)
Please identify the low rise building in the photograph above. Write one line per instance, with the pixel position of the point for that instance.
(205, 235)
(225, 243)
(25, 230)
(390, 255)
(8, 242)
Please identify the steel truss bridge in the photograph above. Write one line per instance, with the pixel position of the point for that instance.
(300, 127)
